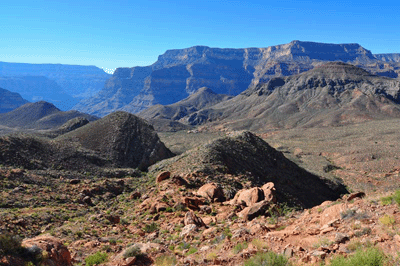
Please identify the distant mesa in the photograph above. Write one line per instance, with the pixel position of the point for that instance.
(179, 73)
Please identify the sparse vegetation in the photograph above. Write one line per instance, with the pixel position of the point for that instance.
(133, 251)
(267, 259)
(366, 257)
(97, 258)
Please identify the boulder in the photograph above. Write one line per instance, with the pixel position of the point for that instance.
(58, 254)
(248, 196)
(191, 218)
(257, 209)
(212, 192)
(162, 176)
(269, 192)
(193, 203)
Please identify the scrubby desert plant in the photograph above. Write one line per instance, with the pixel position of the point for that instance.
(366, 257)
(387, 220)
(133, 251)
(96, 258)
(267, 259)
(10, 244)
(239, 247)
(166, 260)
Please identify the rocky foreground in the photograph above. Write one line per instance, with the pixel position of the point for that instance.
(203, 207)
(144, 221)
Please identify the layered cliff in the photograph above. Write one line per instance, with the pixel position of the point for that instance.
(178, 73)
(63, 85)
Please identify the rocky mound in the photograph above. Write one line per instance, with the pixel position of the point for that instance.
(332, 94)
(122, 138)
(118, 140)
(246, 160)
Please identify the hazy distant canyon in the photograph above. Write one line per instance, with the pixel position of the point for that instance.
(179, 73)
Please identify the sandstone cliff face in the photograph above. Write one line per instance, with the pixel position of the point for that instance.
(179, 73)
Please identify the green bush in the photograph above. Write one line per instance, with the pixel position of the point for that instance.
(267, 259)
(133, 251)
(396, 197)
(10, 244)
(366, 257)
(166, 260)
(148, 228)
(239, 247)
(96, 258)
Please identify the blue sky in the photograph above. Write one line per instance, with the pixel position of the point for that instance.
(120, 33)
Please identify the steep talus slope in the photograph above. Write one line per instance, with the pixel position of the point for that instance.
(10, 100)
(179, 73)
(118, 140)
(246, 160)
(39, 115)
(331, 94)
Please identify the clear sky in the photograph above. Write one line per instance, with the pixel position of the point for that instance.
(117, 33)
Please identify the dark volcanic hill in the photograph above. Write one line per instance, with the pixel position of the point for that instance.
(10, 100)
(122, 138)
(331, 94)
(247, 159)
(118, 140)
(39, 115)
(179, 73)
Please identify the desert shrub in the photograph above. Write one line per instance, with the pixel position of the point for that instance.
(396, 197)
(386, 200)
(133, 251)
(191, 251)
(258, 243)
(239, 247)
(267, 259)
(387, 220)
(148, 228)
(96, 258)
(10, 244)
(166, 260)
(366, 257)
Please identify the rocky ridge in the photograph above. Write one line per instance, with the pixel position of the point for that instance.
(329, 95)
(39, 115)
(165, 118)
